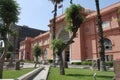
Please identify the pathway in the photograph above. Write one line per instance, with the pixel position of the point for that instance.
(43, 74)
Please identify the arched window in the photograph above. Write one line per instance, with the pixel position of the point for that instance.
(107, 44)
(106, 24)
(45, 53)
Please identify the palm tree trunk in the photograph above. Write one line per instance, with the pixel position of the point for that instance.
(1, 67)
(13, 54)
(62, 70)
(36, 62)
(14, 50)
(3, 55)
(100, 36)
(54, 29)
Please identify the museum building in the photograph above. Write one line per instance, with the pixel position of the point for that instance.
(85, 46)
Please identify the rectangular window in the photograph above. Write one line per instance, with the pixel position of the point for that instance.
(105, 24)
(108, 57)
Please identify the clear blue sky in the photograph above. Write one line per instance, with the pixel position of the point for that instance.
(37, 13)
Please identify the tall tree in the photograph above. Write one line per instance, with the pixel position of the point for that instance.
(9, 11)
(37, 52)
(100, 38)
(14, 35)
(55, 2)
(71, 2)
(73, 19)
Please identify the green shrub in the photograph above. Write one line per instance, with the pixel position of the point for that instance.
(83, 63)
(86, 62)
(109, 63)
(8, 55)
(50, 61)
(22, 60)
(76, 63)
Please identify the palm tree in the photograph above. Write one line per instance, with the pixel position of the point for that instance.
(100, 36)
(73, 19)
(37, 52)
(9, 11)
(71, 1)
(14, 35)
(55, 2)
(56, 45)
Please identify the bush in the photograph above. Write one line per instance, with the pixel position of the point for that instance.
(76, 63)
(22, 60)
(29, 61)
(8, 55)
(50, 61)
(86, 62)
(83, 63)
(109, 63)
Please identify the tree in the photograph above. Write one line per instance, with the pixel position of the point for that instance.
(100, 38)
(1, 49)
(55, 2)
(14, 35)
(9, 11)
(37, 52)
(71, 2)
(73, 19)
(12, 47)
(8, 55)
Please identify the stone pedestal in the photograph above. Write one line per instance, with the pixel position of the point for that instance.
(96, 64)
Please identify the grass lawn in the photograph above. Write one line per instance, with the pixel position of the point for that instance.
(12, 74)
(79, 74)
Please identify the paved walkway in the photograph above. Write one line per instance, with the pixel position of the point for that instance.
(29, 65)
(43, 74)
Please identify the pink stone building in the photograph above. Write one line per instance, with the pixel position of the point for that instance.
(85, 46)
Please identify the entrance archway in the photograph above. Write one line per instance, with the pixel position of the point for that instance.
(64, 35)
(107, 44)
(45, 53)
(45, 56)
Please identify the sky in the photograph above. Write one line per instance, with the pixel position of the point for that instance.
(37, 13)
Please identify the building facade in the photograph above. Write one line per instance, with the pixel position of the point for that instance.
(85, 46)
(21, 33)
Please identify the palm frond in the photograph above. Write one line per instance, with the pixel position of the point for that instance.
(56, 1)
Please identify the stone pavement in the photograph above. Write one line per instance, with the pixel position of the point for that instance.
(43, 74)
(30, 75)
(29, 65)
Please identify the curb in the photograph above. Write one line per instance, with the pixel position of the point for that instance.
(43, 75)
(30, 75)
(47, 73)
